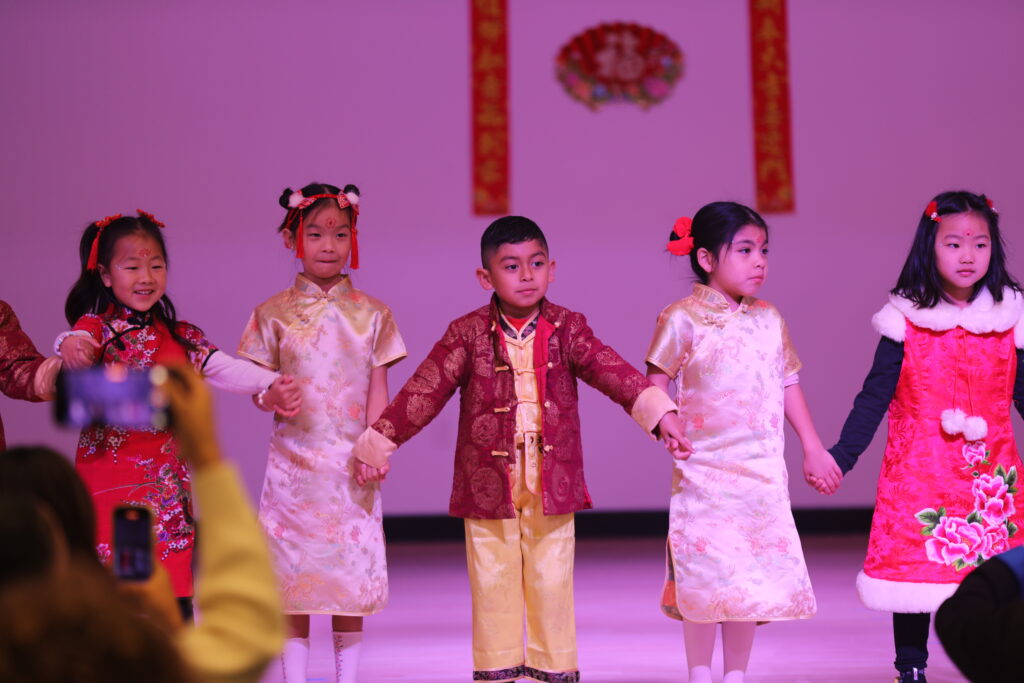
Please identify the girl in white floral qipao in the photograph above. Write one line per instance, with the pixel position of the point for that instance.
(734, 556)
(324, 526)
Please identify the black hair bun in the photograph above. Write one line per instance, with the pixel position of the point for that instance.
(285, 197)
(351, 188)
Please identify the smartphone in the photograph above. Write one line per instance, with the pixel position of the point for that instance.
(133, 543)
(112, 395)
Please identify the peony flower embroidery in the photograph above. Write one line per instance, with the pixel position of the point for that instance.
(956, 542)
(997, 540)
(976, 453)
(992, 499)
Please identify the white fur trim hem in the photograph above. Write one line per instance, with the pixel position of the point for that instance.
(902, 596)
(889, 322)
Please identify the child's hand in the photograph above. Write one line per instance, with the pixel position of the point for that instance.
(284, 396)
(79, 351)
(821, 470)
(670, 428)
(368, 474)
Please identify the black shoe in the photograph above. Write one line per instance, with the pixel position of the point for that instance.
(913, 676)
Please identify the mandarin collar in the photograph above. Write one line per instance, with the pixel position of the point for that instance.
(306, 286)
(130, 315)
(717, 301)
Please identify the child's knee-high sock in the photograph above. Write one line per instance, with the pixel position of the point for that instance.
(700, 643)
(295, 659)
(737, 641)
(347, 645)
(910, 634)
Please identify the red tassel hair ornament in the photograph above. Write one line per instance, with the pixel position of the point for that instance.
(298, 202)
(684, 244)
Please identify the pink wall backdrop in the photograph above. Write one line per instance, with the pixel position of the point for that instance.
(201, 112)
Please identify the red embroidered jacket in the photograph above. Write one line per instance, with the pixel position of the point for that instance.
(471, 357)
(19, 362)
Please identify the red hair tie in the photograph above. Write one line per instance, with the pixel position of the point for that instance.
(93, 262)
(298, 203)
(683, 245)
(932, 211)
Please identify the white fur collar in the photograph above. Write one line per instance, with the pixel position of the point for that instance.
(980, 316)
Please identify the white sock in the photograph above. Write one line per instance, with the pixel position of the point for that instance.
(700, 674)
(347, 645)
(295, 659)
(734, 676)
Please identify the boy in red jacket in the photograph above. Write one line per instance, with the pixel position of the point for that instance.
(518, 457)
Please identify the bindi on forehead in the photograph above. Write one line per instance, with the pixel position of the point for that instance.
(146, 253)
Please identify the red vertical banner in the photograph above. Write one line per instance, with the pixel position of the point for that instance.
(489, 54)
(773, 153)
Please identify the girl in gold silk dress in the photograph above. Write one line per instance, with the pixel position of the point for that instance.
(734, 556)
(323, 526)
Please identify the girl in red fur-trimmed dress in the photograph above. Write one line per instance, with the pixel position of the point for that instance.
(121, 315)
(947, 368)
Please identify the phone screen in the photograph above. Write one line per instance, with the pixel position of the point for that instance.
(112, 395)
(133, 552)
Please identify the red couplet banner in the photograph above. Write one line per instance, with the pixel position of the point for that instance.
(773, 155)
(489, 54)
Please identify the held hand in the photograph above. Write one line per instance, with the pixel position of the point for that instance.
(79, 351)
(368, 474)
(821, 470)
(192, 415)
(284, 396)
(670, 427)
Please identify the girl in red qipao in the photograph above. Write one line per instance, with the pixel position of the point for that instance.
(121, 315)
(946, 369)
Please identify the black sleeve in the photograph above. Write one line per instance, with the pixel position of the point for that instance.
(870, 405)
(982, 624)
(1018, 384)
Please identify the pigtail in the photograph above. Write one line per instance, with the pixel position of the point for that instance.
(88, 294)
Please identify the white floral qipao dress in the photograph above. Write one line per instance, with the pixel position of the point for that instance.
(323, 528)
(733, 550)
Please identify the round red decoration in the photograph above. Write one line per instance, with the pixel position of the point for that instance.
(619, 62)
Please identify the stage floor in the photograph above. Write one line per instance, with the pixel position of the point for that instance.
(424, 635)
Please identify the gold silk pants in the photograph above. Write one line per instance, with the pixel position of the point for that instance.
(518, 567)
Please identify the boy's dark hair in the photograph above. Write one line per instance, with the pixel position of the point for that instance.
(713, 228)
(509, 230)
(90, 295)
(311, 190)
(919, 280)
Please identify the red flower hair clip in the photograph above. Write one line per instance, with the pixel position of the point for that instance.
(149, 217)
(683, 245)
(991, 205)
(932, 211)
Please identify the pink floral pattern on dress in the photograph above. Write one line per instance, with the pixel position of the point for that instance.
(962, 542)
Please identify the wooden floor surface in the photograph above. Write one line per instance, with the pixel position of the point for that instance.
(424, 634)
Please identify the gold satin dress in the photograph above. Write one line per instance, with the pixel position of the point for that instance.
(323, 528)
(733, 549)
